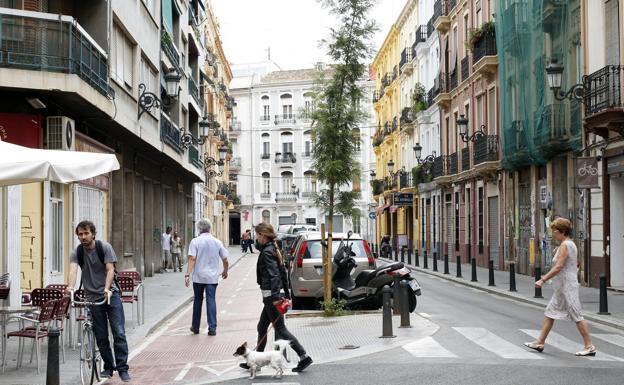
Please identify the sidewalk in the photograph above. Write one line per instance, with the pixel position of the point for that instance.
(165, 297)
(525, 286)
(173, 355)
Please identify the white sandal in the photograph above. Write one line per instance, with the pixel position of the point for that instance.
(590, 351)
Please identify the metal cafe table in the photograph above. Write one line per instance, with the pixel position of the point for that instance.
(6, 313)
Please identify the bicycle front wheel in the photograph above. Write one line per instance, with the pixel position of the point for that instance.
(88, 368)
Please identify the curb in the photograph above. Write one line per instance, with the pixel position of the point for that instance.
(321, 313)
(184, 303)
(594, 318)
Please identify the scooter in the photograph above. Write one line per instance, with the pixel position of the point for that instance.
(365, 290)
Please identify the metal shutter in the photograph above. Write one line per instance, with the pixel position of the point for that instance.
(493, 228)
(449, 230)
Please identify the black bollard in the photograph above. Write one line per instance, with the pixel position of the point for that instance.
(52, 372)
(473, 261)
(396, 296)
(425, 260)
(538, 276)
(604, 307)
(491, 273)
(405, 317)
(376, 248)
(396, 254)
(446, 264)
(416, 258)
(409, 256)
(459, 274)
(435, 261)
(403, 254)
(387, 313)
(512, 277)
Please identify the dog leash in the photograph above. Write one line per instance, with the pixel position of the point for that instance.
(267, 333)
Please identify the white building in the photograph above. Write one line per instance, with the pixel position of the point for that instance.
(276, 181)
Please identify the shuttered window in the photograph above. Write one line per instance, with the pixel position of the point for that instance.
(122, 58)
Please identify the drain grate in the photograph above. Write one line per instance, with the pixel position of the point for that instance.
(349, 347)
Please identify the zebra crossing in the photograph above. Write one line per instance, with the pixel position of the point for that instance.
(479, 339)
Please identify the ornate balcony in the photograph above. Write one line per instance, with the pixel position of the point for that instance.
(453, 80)
(465, 158)
(406, 180)
(405, 64)
(194, 159)
(288, 197)
(285, 159)
(604, 108)
(452, 170)
(170, 134)
(441, 92)
(285, 119)
(485, 59)
(194, 91)
(485, 149)
(555, 132)
(441, 20)
(465, 68)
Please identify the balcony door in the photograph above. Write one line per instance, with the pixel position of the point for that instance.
(287, 181)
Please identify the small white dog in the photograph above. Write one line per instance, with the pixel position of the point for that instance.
(256, 360)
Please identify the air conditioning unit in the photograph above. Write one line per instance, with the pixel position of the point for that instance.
(61, 133)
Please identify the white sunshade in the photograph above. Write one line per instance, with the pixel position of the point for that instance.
(20, 165)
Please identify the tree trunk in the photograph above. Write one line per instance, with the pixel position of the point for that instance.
(327, 270)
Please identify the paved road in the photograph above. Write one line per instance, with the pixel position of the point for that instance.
(479, 342)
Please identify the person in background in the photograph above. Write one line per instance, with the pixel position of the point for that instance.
(176, 251)
(245, 241)
(204, 253)
(565, 303)
(250, 241)
(166, 246)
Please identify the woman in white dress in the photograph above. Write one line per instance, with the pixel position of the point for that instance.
(565, 303)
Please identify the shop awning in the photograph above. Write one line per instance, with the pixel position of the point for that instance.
(26, 165)
(381, 209)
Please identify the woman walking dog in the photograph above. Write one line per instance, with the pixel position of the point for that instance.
(271, 276)
(565, 303)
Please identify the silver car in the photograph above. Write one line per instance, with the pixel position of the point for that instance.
(306, 264)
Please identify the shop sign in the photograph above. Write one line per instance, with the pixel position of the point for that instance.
(587, 172)
(615, 165)
(403, 199)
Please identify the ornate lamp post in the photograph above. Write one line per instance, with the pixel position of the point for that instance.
(554, 73)
(149, 100)
(462, 128)
(418, 152)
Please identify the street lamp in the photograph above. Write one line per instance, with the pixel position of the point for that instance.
(148, 100)
(462, 128)
(294, 189)
(554, 73)
(418, 152)
(373, 174)
(222, 152)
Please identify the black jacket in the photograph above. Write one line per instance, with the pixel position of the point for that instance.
(270, 274)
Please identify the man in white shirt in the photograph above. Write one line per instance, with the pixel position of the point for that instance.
(205, 251)
(166, 246)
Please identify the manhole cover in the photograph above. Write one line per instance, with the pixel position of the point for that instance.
(349, 347)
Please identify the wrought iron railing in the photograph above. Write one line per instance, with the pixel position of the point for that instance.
(430, 97)
(288, 157)
(453, 80)
(170, 134)
(440, 8)
(452, 4)
(285, 197)
(452, 159)
(284, 118)
(422, 33)
(265, 195)
(465, 157)
(485, 46)
(265, 156)
(438, 168)
(406, 180)
(406, 57)
(485, 149)
(406, 115)
(58, 45)
(166, 43)
(465, 68)
(194, 90)
(603, 89)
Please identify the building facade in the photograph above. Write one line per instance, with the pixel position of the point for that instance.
(85, 77)
(276, 181)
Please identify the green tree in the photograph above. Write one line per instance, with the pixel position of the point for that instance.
(338, 113)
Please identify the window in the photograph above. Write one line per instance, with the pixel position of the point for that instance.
(309, 182)
(286, 106)
(148, 76)
(356, 134)
(287, 143)
(56, 213)
(479, 111)
(357, 182)
(266, 108)
(467, 115)
(122, 58)
(454, 130)
(456, 221)
(266, 146)
(287, 181)
(266, 216)
(491, 123)
(356, 224)
(480, 197)
(466, 30)
(266, 183)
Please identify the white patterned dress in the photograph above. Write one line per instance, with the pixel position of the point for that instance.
(565, 303)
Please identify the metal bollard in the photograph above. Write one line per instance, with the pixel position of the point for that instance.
(491, 273)
(435, 261)
(446, 264)
(396, 254)
(459, 274)
(416, 258)
(396, 296)
(538, 276)
(376, 248)
(604, 307)
(405, 316)
(387, 313)
(425, 260)
(403, 254)
(512, 277)
(473, 261)
(409, 256)
(53, 371)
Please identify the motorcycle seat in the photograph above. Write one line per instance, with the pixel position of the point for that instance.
(366, 275)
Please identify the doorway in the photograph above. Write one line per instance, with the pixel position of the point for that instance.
(616, 248)
(235, 228)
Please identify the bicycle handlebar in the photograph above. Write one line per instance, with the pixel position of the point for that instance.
(89, 303)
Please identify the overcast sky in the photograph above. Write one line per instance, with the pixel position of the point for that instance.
(291, 28)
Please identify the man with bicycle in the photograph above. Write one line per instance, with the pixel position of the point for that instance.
(97, 261)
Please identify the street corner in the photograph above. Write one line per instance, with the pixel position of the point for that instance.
(329, 339)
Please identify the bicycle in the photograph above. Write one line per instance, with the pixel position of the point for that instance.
(90, 359)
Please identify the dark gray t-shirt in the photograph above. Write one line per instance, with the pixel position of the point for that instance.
(93, 271)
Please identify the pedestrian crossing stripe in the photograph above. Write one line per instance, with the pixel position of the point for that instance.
(428, 347)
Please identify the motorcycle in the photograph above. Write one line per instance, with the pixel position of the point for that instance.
(365, 290)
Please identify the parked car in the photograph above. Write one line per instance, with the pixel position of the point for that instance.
(306, 264)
